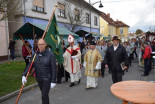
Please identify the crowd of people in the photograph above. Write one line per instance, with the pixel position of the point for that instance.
(145, 54)
(93, 56)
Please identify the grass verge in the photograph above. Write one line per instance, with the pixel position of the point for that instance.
(11, 77)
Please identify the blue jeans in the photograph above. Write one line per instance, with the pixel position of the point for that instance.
(12, 52)
(146, 66)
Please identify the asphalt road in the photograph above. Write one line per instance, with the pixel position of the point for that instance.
(63, 94)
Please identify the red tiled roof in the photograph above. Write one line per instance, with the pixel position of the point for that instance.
(106, 18)
(112, 22)
(121, 24)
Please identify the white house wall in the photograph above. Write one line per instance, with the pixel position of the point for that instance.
(16, 21)
(4, 40)
(49, 7)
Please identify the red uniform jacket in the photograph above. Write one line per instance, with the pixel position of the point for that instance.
(24, 51)
(147, 52)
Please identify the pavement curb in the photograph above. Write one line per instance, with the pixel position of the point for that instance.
(3, 98)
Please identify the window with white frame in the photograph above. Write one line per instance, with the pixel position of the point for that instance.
(102, 29)
(110, 31)
(121, 31)
(38, 5)
(95, 20)
(61, 10)
(77, 14)
(87, 18)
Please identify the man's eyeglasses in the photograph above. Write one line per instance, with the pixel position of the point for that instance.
(41, 44)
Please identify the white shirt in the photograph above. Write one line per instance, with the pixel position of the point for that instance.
(115, 47)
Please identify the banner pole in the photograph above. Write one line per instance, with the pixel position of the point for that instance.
(35, 54)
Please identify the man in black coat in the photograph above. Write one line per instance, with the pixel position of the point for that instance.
(12, 49)
(45, 70)
(115, 56)
(61, 71)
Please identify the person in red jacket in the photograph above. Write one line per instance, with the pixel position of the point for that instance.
(147, 58)
(25, 52)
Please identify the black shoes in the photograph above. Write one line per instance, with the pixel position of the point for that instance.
(59, 82)
(66, 80)
(71, 85)
(102, 76)
(79, 81)
(144, 75)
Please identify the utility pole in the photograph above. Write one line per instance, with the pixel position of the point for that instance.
(100, 6)
(6, 28)
(90, 14)
(24, 11)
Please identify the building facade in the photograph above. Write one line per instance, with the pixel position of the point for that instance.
(122, 30)
(39, 12)
(4, 40)
(109, 27)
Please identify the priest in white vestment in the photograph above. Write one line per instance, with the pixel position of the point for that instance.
(72, 60)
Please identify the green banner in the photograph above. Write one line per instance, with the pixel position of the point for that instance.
(52, 38)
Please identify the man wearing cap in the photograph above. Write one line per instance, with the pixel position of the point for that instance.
(92, 64)
(72, 60)
(115, 56)
(102, 48)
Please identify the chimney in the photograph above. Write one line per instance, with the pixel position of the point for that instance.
(108, 14)
(116, 19)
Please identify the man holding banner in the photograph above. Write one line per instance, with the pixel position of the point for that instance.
(72, 60)
(45, 61)
(45, 70)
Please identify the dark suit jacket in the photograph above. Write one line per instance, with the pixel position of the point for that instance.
(115, 58)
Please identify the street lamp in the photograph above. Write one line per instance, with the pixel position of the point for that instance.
(100, 6)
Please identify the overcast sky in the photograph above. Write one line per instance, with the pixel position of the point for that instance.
(138, 14)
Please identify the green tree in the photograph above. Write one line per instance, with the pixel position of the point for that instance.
(139, 31)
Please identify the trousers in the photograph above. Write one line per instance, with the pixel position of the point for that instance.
(116, 76)
(102, 68)
(44, 86)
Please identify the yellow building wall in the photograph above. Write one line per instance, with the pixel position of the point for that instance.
(112, 30)
(104, 29)
(125, 31)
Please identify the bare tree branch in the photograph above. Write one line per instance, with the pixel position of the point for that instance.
(76, 17)
(5, 12)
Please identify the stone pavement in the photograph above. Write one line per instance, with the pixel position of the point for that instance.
(63, 94)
